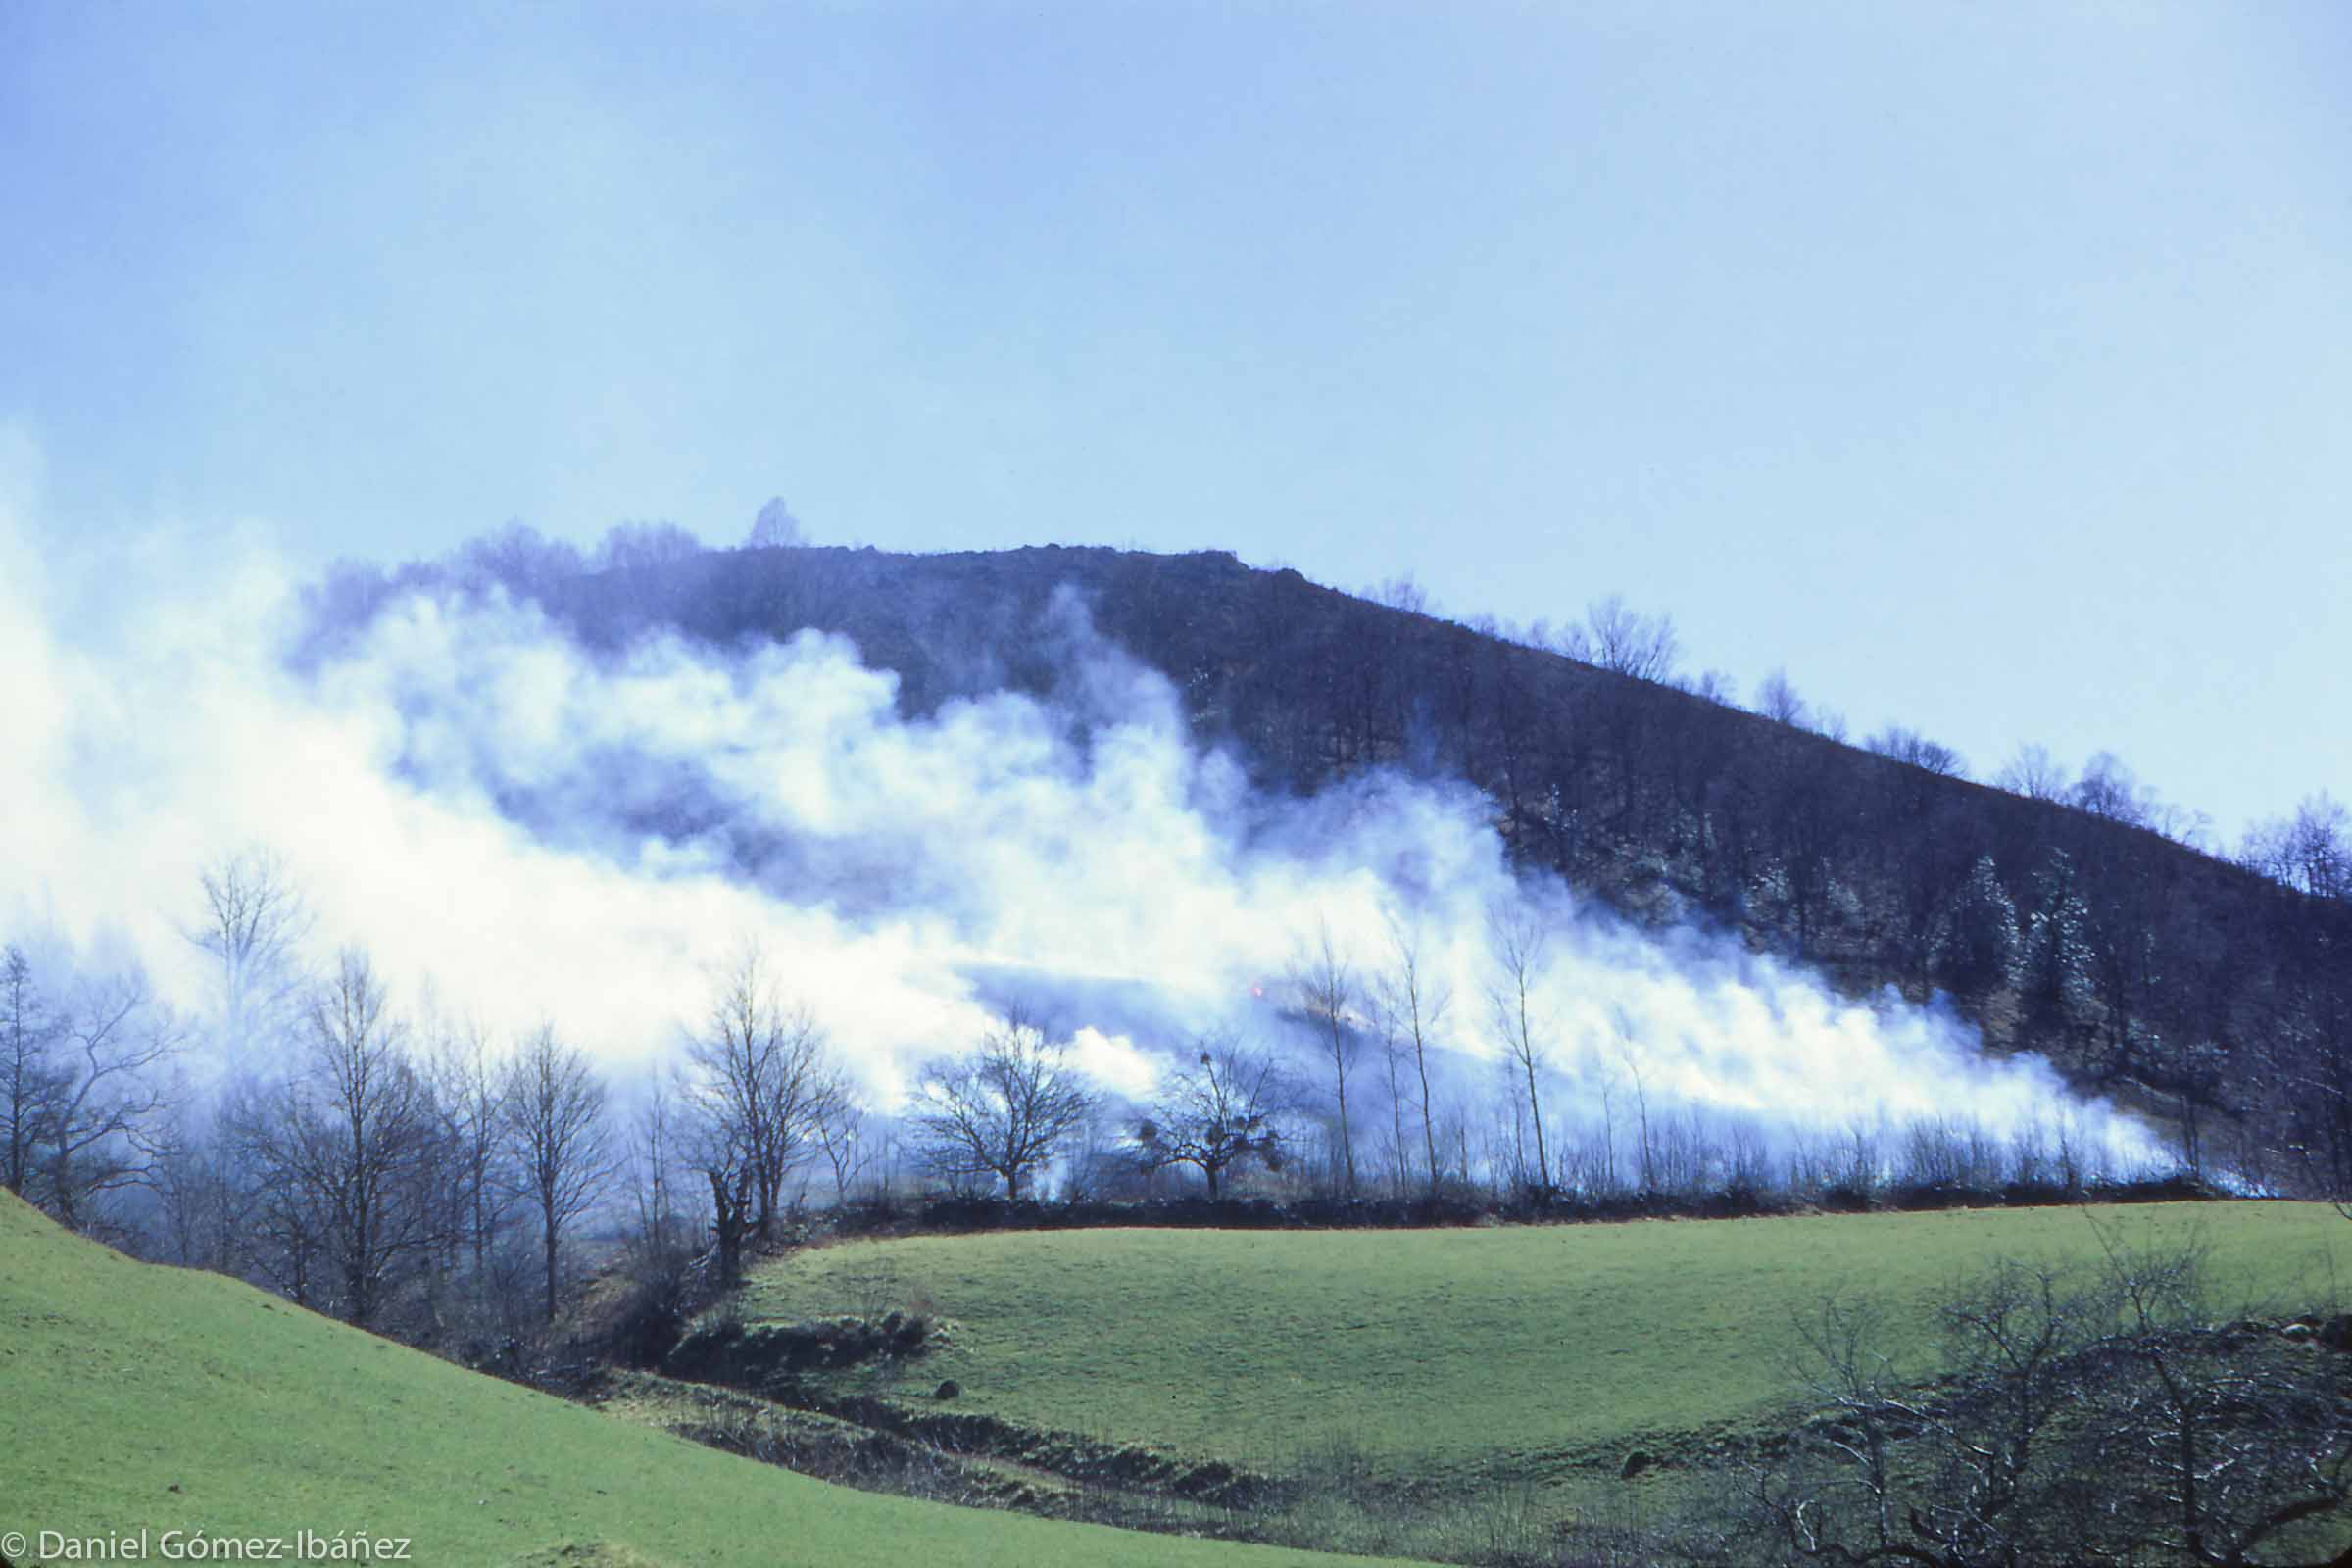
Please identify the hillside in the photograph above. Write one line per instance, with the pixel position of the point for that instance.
(1523, 1396)
(2206, 995)
(1473, 1354)
(138, 1397)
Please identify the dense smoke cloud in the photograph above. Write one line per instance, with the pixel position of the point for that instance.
(546, 832)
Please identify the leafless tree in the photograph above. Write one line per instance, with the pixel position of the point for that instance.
(654, 1170)
(1628, 1056)
(519, 558)
(842, 1134)
(1623, 640)
(1969, 1479)
(712, 1150)
(259, 1130)
(1517, 942)
(470, 1091)
(1414, 1002)
(1220, 1114)
(29, 1082)
(1323, 984)
(348, 1151)
(1396, 1060)
(2310, 852)
(558, 1138)
(83, 1100)
(201, 1218)
(253, 922)
(1910, 746)
(2034, 773)
(760, 1082)
(1777, 699)
(2224, 1447)
(1712, 686)
(2108, 789)
(775, 528)
(641, 547)
(1400, 592)
(2108, 1416)
(1004, 1110)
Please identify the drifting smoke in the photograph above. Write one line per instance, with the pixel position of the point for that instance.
(549, 833)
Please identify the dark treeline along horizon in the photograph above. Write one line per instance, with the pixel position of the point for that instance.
(2081, 917)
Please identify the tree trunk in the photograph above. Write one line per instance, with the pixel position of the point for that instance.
(548, 1244)
(1535, 1105)
(1346, 1136)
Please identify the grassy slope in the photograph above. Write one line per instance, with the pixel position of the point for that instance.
(121, 1381)
(1528, 1347)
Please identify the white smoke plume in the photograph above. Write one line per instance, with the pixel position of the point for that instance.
(546, 833)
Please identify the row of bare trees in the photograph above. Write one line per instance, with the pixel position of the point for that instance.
(391, 1185)
(405, 1170)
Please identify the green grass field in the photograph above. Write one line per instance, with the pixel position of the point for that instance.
(136, 1396)
(1467, 1353)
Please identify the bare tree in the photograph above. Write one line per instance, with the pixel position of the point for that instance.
(1630, 642)
(253, 923)
(1910, 746)
(2034, 773)
(1217, 1115)
(104, 1120)
(553, 1101)
(1517, 940)
(1396, 1056)
(1324, 985)
(775, 528)
(1629, 1054)
(760, 1081)
(30, 1081)
(1970, 1479)
(2105, 1415)
(1414, 1002)
(653, 1171)
(347, 1152)
(713, 1150)
(2218, 1445)
(1712, 686)
(2310, 852)
(470, 1091)
(82, 1104)
(1400, 593)
(2109, 789)
(260, 1129)
(1778, 700)
(378, 1123)
(1004, 1112)
(201, 1217)
(644, 547)
(518, 559)
(842, 1134)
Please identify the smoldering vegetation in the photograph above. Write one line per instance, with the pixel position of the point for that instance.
(392, 835)
(507, 817)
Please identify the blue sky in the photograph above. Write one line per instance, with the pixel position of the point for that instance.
(1988, 365)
